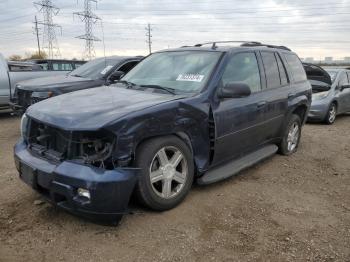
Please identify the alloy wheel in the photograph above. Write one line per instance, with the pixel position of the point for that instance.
(168, 172)
(293, 137)
(332, 114)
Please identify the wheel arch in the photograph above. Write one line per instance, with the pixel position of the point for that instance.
(301, 111)
(181, 135)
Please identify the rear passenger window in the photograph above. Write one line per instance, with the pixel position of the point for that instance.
(271, 69)
(282, 70)
(243, 67)
(296, 67)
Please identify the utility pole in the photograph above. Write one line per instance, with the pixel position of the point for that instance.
(37, 34)
(149, 37)
(49, 37)
(89, 18)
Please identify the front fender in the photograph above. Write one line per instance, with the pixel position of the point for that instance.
(187, 120)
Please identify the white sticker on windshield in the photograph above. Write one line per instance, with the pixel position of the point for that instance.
(190, 77)
(104, 71)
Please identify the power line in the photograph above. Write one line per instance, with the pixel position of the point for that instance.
(89, 18)
(49, 37)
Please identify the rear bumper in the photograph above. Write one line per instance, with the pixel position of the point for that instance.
(110, 190)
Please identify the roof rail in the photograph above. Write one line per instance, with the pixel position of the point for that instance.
(243, 44)
(214, 46)
(250, 44)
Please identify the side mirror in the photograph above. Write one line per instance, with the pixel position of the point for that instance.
(115, 76)
(235, 90)
(346, 86)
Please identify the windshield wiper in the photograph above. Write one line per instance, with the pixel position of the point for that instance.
(77, 75)
(168, 89)
(127, 83)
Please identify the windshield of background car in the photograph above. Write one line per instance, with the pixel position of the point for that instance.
(333, 74)
(183, 71)
(95, 69)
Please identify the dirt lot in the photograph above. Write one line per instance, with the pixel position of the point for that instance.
(286, 209)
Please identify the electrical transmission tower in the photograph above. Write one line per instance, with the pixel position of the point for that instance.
(49, 36)
(149, 37)
(89, 18)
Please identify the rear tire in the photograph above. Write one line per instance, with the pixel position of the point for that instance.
(331, 114)
(167, 172)
(291, 136)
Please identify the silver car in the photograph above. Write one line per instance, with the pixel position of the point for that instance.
(331, 93)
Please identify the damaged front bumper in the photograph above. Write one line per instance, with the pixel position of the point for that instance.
(109, 190)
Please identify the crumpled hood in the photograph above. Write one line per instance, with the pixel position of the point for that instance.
(94, 108)
(52, 82)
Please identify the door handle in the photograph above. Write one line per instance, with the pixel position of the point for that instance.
(261, 104)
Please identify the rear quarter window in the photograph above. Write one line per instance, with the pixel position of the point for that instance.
(296, 67)
(271, 69)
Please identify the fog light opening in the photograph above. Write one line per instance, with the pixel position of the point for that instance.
(84, 193)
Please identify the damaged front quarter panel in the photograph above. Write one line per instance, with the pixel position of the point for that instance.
(186, 118)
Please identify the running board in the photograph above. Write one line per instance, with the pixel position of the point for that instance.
(234, 167)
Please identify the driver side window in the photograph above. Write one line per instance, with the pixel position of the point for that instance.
(243, 68)
(343, 80)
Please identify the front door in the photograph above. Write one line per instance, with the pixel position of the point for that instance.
(239, 121)
(344, 95)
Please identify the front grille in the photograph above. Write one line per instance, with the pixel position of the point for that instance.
(54, 144)
(24, 97)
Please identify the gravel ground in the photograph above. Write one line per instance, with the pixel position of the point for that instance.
(293, 208)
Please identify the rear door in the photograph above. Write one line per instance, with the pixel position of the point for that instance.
(239, 121)
(275, 94)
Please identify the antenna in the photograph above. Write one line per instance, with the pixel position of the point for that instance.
(89, 18)
(49, 37)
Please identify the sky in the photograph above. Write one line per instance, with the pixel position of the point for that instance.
(314, 28)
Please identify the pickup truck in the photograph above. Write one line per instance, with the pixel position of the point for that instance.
(9, 79)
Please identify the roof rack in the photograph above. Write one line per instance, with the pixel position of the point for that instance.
(244, 44)
(250, 44)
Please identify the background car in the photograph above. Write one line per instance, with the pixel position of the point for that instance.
(331, 93)
(13, 72)
(57, 64)
(95, 73)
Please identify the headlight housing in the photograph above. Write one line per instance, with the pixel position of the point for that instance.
(24, 126)
(42, 95)
(320, 95)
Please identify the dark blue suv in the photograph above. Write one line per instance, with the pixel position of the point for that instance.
(199, 113)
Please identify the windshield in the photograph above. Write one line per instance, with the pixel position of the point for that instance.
(333, 74)
(95, 69)
(184, 71)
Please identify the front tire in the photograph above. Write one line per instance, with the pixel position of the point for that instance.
(167, 172)
(291, 136)
(331, 114)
